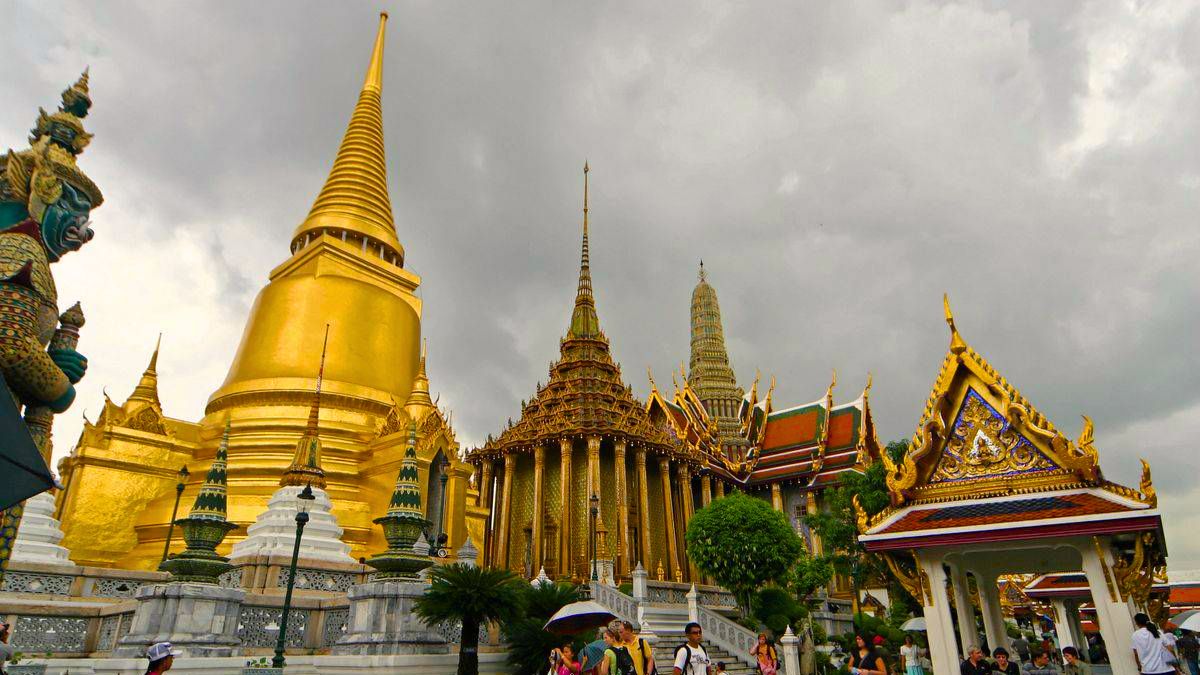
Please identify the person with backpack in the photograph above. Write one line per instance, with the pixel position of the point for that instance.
(763, 653)
(690, 657)
(617, 659)
(639, 649)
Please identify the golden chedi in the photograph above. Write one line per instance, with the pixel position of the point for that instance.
(346, 270)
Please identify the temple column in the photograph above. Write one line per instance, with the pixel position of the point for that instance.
(485, 501)
(639, 459)
(593, 459)
(510, 465)
(705, 490)
(968, 635)
(685, 485)
(720, 489)
(939, 624)
(664, 468)
(810, 507)
(777, 497)
(1062, 624)
(989, 607)
(565, 561)
(622, 510)
(1113, 615)
(539, 470)
(1077, 628)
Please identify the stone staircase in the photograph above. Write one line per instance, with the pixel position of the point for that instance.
(664, 654)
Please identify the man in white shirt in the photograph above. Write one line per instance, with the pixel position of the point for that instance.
(691, 658)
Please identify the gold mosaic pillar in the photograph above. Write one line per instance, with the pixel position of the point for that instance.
(689, 507)
(720, 489)
(539, 470)
(664, 467)
(593, 450)
(776, 497)
(510, 466)
(639, 459)
(622, 510)
(564, 499)
(705, 490)
(810, 506)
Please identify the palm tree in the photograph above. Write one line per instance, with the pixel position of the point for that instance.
(474, 596)
(528, 643)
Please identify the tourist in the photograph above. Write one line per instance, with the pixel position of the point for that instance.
(1072, 664)
(161, 655)
(720, 668)
(864, 660)
(882, 651)
(691, 658)
(1021, 647)
(562, 660)
(975, 663)
(764, 653)
(1003, 664)
(617, 659)
(1168, 640)
(639, 649)
(1189, 651)
(1151, 655)
(910, 657)
(6, 650)
(1041, 665)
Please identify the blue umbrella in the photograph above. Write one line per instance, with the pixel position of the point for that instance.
(593, 654)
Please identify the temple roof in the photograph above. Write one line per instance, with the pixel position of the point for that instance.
(809, 445)
(985, 465)
(585, 394)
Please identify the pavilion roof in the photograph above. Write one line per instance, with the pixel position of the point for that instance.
(986, 465)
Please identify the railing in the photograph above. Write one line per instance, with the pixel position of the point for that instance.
(625, 607)
(732, 637)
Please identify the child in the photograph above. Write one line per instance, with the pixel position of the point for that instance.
(720, 668)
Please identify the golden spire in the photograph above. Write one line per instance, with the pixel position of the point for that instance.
(419, 402)
(957, 344)
(355, 196)
(584, 321)
(306, 462)
(147, 387)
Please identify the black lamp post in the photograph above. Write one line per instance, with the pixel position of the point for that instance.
(595, 512)
(183, 475)
(444, 470)
(304, 502)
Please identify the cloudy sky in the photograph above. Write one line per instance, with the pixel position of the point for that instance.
(838, 166)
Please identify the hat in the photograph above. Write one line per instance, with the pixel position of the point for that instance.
(162, 650)
(878, 639)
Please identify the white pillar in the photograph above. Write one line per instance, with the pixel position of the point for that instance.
(1077, 629)
(968, 634)
(939, 624)
(1114, 617)
(791, 652)
(1062, 624)
(989, 606)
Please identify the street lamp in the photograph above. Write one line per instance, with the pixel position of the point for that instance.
(304, 502)
(444, 469)
(183, 475)
(595, 512)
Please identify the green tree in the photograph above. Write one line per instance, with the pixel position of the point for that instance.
(529, 643)
(742, 543)
(837, 524)
(777, 609)
(808, 575)
(474, 596)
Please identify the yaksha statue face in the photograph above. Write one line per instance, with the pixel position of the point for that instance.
(65, 223)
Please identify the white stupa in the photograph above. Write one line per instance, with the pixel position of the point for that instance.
(39, 534)
(274, 531)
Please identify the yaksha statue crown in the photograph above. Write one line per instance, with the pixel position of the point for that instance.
(45, 203)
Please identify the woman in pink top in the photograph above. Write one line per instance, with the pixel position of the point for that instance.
(564, 661)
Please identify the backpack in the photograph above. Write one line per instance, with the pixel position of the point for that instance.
(624, 662)
(687, 668)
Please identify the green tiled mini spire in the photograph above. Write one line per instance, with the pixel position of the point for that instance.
(404, 522)
(210, 503)
(206, 526)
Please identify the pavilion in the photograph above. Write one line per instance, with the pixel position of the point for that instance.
(990, 487)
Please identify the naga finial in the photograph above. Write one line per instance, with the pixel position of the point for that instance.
(957, 345)
(1146, 486)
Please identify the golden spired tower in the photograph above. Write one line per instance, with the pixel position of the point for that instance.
(346, 271)
(709, 372)
(582, 434)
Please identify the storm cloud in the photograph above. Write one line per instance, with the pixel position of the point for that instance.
(837, 166)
